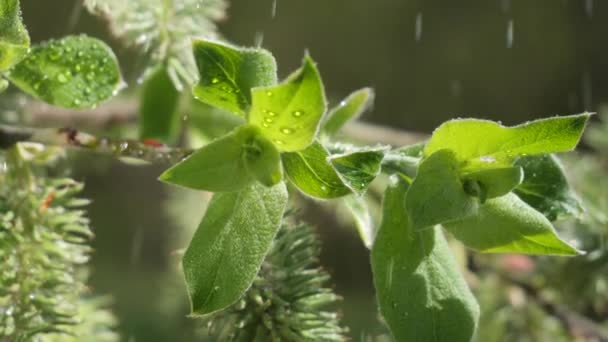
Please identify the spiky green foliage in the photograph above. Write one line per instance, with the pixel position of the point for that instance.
(162, 29)
(44, 238)
(287, 300)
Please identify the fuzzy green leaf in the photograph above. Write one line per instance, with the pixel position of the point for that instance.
(289, 113)
(437, 194)
(159, 117)
(421, 294)
(487, 144)
(230, 244)
(14, 38)
(74, 72)
(310, 171)
(349, 109)
(227, 74)
(546, 188)
(491, 183)
(359, 209)
(263, 160)
(358, 169)
(218, 166)
(508, 225)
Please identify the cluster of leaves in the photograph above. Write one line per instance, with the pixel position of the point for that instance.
(44, 238)
(161, 30)
(73, 72)
(494, 188)
(286, 300)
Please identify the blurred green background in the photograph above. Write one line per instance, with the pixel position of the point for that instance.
(428, 61)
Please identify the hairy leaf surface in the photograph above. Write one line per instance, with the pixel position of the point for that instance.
(227, 74)
(14, 38)
(358, 169)
(420, 292)
(508, 225)
(437, 194)
(74, 72)
(546, 188)
(349, 109)
(289, 113)
(310, 171)
(230, 244)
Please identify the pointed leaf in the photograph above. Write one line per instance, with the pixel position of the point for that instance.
(495, 182)
(546, 188)
(227, 74)
(487, 144)
(508, 225)
(358, 169)
(359, 209)
(218, 166)
(159, 117)
(14, 38)
(310, 171)
(289, 113)
(437, 194)
(349, 109)
(421, 294)
(230, 244)
(74, 72)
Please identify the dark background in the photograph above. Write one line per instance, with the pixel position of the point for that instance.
(429, 61)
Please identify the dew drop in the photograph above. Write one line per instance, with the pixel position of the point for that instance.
(215, 80)
(271, 113)
(287, 130)
(265, 125)
(297, 113)
(269, 93)
(268, 120)
(279, 142)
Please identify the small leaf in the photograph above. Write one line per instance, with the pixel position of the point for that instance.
(437, 194)
(358, 169)
(421, 294)
(263, 161)
(289, 113)
(230, 244)
(495, 182)
(310, 171)
(349, 109)
(227, 74)
(159, 117)
(359, 209)
(508, 225)
(14, 38)
(74, 72)
(546, 189)
(487, 144)
(208, 123)
(218, 166)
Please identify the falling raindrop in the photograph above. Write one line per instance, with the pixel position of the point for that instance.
(418, 29)
(510, 34)
(587, 90)
(505, 6)
(274, 9)
(456, 88)
(258, 39)
(589, 8)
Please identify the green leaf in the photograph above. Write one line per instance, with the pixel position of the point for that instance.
(14, 38)
(208, 123)
(218, 166)
(421, 294)
(491, 183)
(74, 72)
(227, 74)
(159, 117)
(546, 189)
(358, 169)
(230, 244)
(359, 209)
(289, 113)
(349, 109)
(263, 160)
(437, 194)
(310, 171)
(487, 144)
(508, 225)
